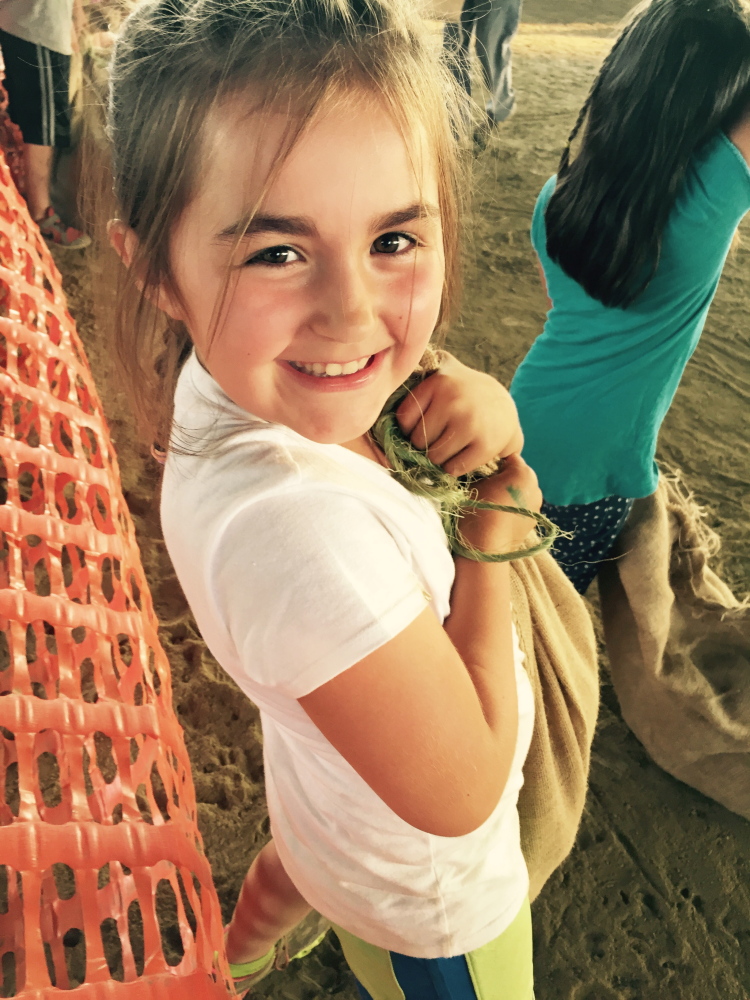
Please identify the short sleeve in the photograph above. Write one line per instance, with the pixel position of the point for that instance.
(715, 195)
(309, 584)
(708, 209)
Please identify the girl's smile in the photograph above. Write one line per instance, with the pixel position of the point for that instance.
(336, 284)
(333, 376)
(330, 369)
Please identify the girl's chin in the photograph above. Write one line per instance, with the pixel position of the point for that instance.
(342, 437)
(336, 431)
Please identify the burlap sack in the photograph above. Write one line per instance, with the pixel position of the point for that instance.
(557, 636)
(679, 647)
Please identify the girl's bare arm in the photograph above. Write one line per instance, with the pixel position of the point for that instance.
(740, 135)
(543, 279)
(430, 719)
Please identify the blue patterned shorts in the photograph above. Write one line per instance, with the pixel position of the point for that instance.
(595, 527)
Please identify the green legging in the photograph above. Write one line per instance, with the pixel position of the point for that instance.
(499, 970)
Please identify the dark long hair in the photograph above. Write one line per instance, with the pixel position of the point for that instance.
(678, 73)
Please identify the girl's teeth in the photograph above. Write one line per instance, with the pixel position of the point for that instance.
(332, 369)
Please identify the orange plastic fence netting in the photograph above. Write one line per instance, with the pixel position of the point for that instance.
(104, 885)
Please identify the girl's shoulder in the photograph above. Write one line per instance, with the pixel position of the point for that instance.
(713, 198)
(739, 136)
(248, 460)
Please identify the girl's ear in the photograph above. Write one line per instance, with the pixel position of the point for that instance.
(125, 244)
(122, 240)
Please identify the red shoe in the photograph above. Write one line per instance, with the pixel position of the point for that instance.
(57, 234)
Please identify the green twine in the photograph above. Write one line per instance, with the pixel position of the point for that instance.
(414, 470)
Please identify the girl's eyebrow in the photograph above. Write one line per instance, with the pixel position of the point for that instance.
(400, 217)
(290, 225)
(296, 225)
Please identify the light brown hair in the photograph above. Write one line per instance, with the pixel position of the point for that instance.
(176, 60)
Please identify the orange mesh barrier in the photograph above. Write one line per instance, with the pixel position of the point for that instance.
(103, 879)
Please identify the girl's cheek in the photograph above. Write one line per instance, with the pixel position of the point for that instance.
(422, 290)
(262, 326)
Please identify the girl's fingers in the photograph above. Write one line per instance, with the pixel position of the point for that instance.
(411, 411)
(414, 408)
(429, 434)
(460, 452)
(448, 444)
(429, 430)
(464, 462)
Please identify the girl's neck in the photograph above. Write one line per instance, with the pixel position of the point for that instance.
(366, 447)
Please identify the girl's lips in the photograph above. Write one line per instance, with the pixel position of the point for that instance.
(334, 383)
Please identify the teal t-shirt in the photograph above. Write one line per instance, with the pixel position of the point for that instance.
(597, 382)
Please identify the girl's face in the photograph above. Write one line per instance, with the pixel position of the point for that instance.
(336, 287)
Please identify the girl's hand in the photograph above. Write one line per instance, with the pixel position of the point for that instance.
(462, 417)
(496, 531)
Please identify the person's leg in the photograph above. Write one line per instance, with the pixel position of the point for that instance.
(30, 103)
(38, 173)
(269, 906)
(496, 24)
(37, 81)
(594, 528)
(457, 37)
(31, 106)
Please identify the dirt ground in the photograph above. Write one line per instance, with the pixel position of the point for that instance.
(654, 901)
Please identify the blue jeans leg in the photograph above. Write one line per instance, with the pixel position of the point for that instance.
(493, 23)
(458, 54)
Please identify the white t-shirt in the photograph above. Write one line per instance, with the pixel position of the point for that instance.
(42, 22)
(298, 560)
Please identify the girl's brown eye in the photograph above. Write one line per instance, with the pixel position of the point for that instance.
(274, 255)
(392, 243)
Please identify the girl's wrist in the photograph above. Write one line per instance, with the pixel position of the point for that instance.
(495, 531)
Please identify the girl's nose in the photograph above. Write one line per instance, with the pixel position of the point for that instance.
(346, 303)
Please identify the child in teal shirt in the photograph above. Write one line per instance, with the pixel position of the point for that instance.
(632, 237)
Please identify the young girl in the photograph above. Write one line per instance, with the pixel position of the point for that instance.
(287, 176)
(632, 236)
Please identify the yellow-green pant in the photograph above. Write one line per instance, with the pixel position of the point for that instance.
(499, 970)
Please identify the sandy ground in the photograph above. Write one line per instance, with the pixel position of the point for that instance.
(654, 901)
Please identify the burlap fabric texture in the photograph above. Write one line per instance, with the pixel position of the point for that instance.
(557, 638)
(679, 647)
